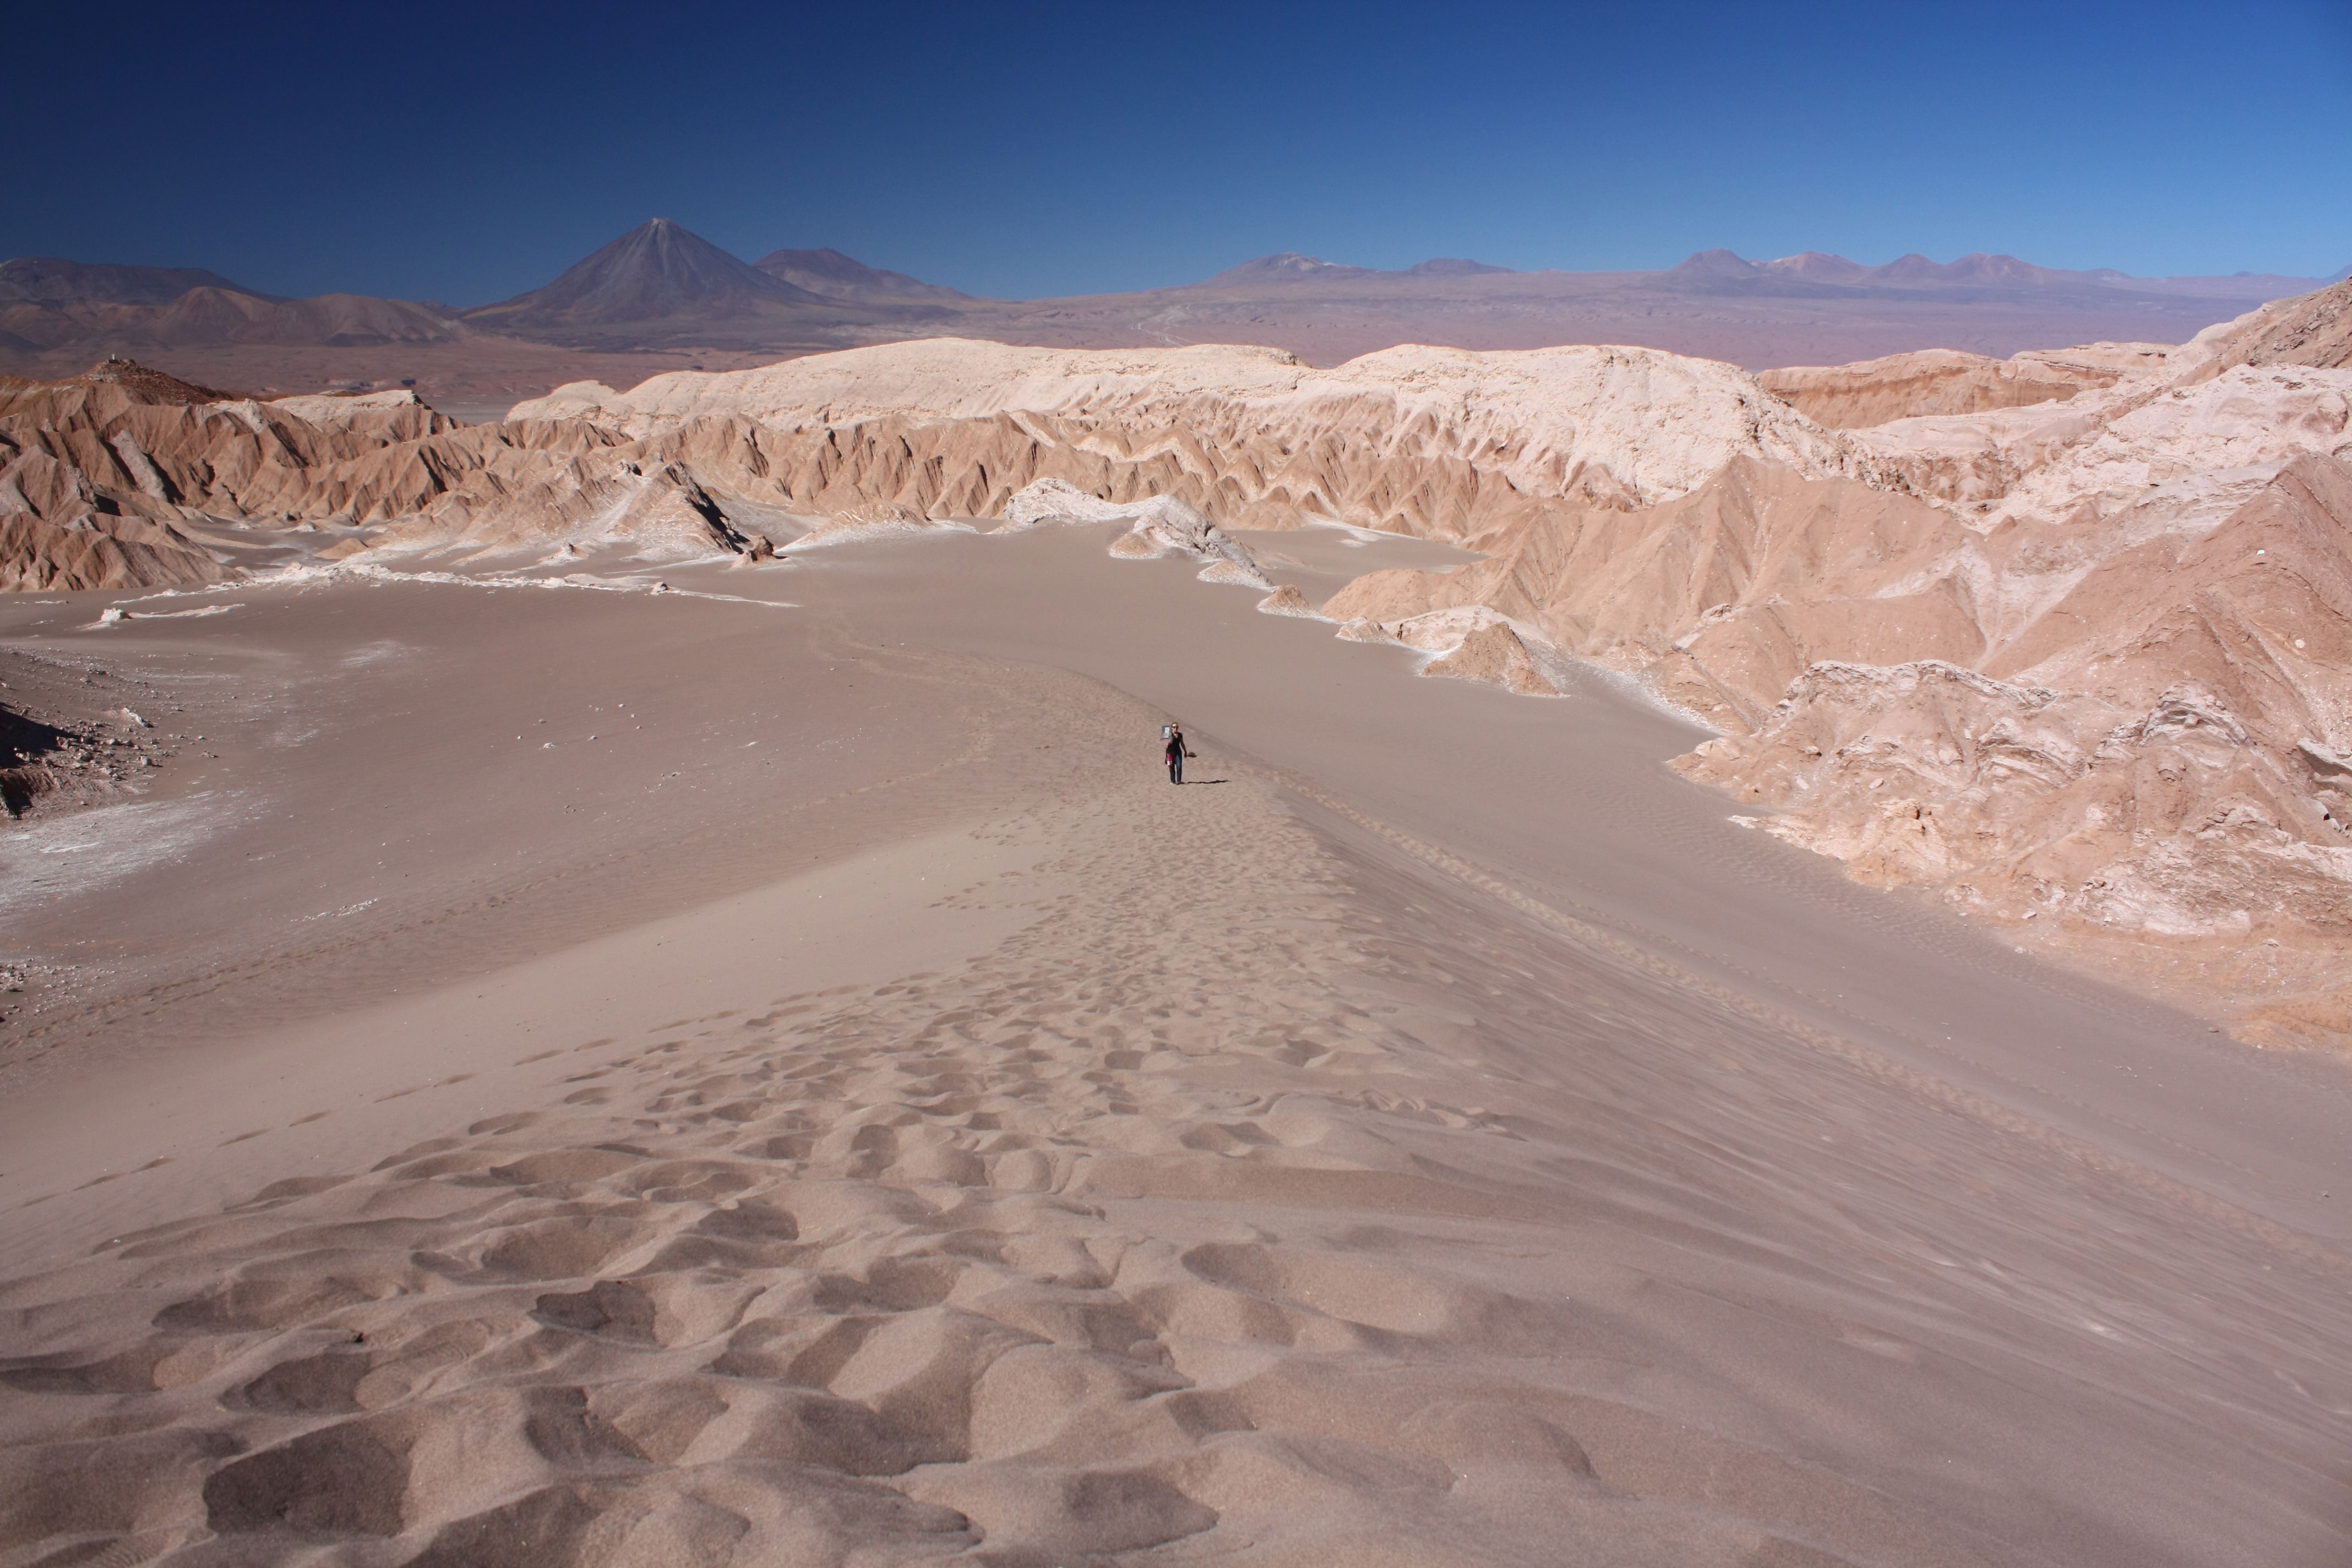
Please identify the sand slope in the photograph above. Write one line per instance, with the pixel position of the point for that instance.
(1155, 1228)
(1243, 1175)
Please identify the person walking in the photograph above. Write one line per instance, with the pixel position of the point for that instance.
(1176, 753)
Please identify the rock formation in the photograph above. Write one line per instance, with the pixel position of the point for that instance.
(2083, 661)
(2313, 329)
(1161, 525)
(1441, 443)
(1945, 381)
(1471, 643)
(122, 477)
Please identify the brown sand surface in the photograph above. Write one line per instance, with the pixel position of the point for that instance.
(1573, 806)
(400, 787)
(1435, 1136)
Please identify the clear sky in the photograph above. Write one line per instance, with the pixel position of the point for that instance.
(466, 153)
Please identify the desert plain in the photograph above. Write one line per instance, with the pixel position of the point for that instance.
(625, 985)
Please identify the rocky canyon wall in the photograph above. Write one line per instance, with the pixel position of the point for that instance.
(2062, 637)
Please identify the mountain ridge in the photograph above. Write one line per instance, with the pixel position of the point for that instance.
(56, 281)
(657, 273)
(660, 290)
(828, 273)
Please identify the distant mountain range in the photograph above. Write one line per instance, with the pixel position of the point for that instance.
(1811, 274)
(660, 283)
(50, 280)
(835, 276)
(661, 288)
(1805, 274)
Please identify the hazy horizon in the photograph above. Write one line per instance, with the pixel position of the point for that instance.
(464, 305)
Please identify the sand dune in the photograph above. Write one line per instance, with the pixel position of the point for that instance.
(1229, 1172)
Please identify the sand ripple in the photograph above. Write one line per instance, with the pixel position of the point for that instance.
(1186, 1226)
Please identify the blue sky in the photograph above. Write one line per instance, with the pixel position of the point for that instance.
(467, 153)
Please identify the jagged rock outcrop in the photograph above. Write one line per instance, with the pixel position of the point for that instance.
(2179, 822)
(60, 531)
(1288, 600)
(2151, 453)
(1471, 643)
(1161, 525)
(2158, 749)
(1724, 595)
(121, 478)
(1490, 651)
(2313, 329)
(39, 557)
(1442, 443)
(1946, 381)
(389, 416)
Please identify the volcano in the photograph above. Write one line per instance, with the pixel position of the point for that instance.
(658, 283)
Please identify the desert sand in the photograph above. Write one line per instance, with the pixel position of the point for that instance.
(625, 986)
(769, 1070)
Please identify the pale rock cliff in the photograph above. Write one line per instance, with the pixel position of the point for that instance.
(1161, 525)
(399, 416)
(1946, 381)
(2313, 329)
(1438, 442)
